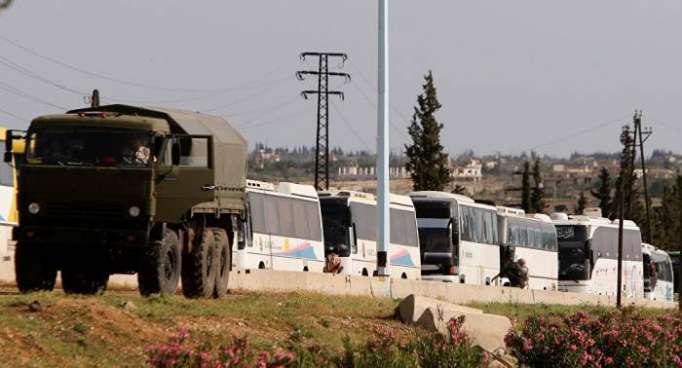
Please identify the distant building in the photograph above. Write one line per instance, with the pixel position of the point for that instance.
(471, 171)
(366, 172)
(265, 155)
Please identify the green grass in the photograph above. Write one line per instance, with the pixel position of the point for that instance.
(518, 313)
(81, 331)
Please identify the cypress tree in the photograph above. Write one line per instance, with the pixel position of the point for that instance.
(525, 188)
(582, 203)
(603, 194)
(427, 161)
(537, 205)
(667, 218)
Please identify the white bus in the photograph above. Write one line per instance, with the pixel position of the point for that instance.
(8, 195)
(588, 255)
(282, 230)
(533, 239)
(459, 238)
(350, 230)
(658, 274)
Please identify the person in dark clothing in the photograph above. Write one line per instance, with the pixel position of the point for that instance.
(517, 273)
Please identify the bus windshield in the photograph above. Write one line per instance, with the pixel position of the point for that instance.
(574, 261)
(90, 147)
(336, 222)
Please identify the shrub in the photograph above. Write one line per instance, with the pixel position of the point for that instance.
(384, 349)
(617, 339)
(178, 352)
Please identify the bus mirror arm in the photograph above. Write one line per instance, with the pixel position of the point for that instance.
(454, 231)
(355, 235)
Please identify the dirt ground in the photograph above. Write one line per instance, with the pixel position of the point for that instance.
(113, 330)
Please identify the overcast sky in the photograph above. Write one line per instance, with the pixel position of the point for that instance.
(511, 75)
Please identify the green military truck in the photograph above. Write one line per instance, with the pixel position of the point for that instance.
(125, 189)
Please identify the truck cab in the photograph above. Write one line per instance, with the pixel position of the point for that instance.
(124, 189)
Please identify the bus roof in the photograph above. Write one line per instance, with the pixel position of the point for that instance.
(292, 189)
(395, 199)
(564, 219)
(429, 194)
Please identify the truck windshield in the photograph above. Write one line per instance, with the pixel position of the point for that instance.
(90, 147)
(574, 260)
(336, 222)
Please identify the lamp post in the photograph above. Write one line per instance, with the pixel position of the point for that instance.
(384, 234)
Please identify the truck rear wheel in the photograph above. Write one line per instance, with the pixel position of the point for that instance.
(159, 271)
(224, 262)
(199, 266)
(84, 279)
(33, 269)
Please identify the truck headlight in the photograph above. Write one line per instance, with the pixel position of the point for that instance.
(33, 208)
(134, 211)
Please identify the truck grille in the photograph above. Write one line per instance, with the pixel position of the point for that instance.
(85, 210)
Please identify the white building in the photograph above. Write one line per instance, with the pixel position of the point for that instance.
(472, 171)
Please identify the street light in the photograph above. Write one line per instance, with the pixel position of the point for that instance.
(383, 213)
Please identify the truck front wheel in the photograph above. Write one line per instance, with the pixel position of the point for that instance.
(33, 268)
(159, 271)
(200, 265)
(224, 254)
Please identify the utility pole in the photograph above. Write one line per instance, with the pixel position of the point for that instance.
(323, 93)
(626, 174)
(640, 137)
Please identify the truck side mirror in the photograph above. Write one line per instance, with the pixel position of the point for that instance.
(7, 157)
(175, 153)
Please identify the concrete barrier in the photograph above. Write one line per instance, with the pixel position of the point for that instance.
(265, 280)
(486, 330)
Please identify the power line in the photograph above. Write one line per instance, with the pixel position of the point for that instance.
(17, 92)
(278, 119)
(13, 115)
(350, 127)
(580, 132)
(391, 106)
(266, 111)
(31, 74)
(124, 81)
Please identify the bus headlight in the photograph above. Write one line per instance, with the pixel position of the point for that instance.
(134, 211)
(33, 208)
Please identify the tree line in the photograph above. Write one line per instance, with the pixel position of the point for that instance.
(428, 165)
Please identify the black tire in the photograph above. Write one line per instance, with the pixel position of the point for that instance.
(199, 267)
(84, 279)
(34, 270)
(222, 244)
(159, 270)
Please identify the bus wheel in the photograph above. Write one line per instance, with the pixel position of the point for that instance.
(200, 266)
(305, 269)
(84, 279)
(364, 272)
(375, 273)
(224, 262)
(159, 271)
(403, 276)
(33, 269)
(261, 266)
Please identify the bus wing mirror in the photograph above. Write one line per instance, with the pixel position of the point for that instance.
(454, 231)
